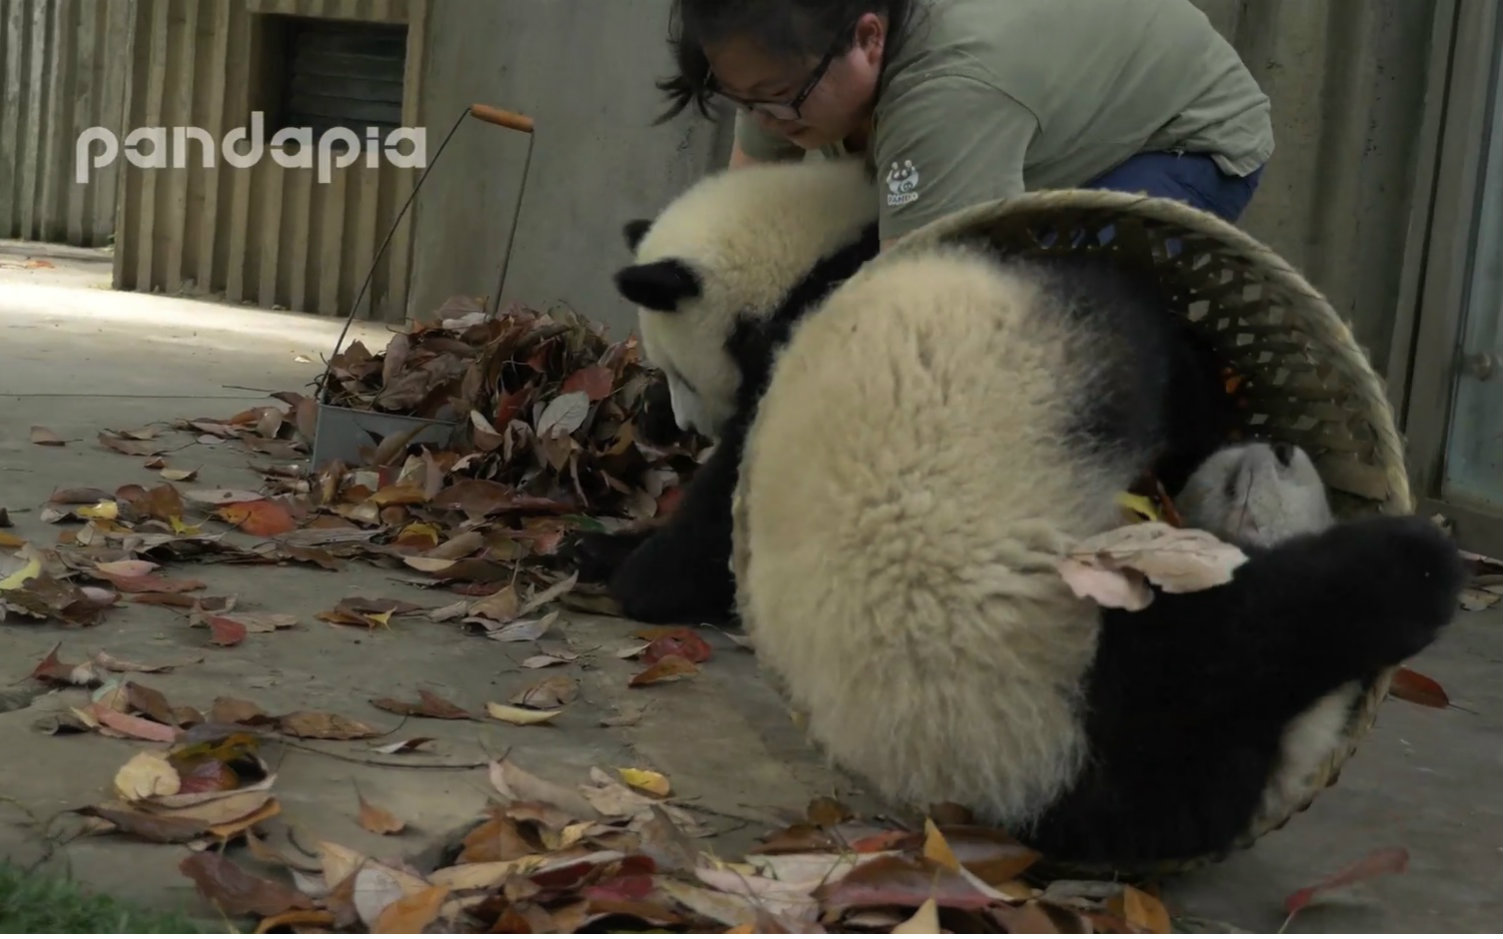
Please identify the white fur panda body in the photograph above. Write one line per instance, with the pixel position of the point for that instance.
(896, 544)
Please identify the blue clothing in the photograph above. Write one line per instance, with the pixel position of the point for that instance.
(1189, 177)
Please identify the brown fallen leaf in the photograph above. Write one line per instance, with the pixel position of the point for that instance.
(427, 705)
(43, 437)
(313, 918)
(130, 447)
(224, 883)
(524, 630)
(318, 725)
(1409, 685)
(668, 668)
(547, 659)
(54, 671)
(263, 517)
(412, 913)
(151, 583)
(377, 820)
(1376, 864)
(554, 692)
(147, 825)
(925, 920)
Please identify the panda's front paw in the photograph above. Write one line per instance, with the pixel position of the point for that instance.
(666, 580)
(599, 555)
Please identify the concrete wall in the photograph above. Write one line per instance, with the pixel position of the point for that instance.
(1348, 81)
(268, 234)
(584, 71)
(62, 70)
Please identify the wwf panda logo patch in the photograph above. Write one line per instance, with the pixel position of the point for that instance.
(902, 183)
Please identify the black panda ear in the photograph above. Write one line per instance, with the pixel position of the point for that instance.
(634, 230)
(659, 285)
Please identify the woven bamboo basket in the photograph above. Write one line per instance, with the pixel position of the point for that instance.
(1306, 381)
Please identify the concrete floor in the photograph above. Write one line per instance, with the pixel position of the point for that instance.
(78, 358)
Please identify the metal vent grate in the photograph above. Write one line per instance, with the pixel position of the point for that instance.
(344, 74)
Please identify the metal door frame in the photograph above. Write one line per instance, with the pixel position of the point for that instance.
(1461, 105)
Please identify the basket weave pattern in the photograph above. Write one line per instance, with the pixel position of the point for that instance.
(1306, 381)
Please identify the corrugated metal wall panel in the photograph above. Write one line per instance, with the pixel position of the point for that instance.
(264, 234)
(1347, 79)
(62, 71)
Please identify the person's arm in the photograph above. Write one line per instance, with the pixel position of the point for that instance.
(944, 144)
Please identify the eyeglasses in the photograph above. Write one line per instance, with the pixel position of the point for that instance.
(790, 110)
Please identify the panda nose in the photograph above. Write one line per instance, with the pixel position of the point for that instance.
(1283, 452)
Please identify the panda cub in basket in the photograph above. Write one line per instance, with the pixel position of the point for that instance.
(1256, 495)
(724, 274)
(895, 569)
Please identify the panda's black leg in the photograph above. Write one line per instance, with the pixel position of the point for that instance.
(1189, 699)
(681, 571)
(1296, 620)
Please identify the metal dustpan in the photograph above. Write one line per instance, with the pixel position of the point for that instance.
(342, 433)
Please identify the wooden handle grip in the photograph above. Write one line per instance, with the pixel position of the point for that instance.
(508, 119)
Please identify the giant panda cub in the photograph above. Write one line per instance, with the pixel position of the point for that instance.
(931, 439)
(719, 276)
(728, 268)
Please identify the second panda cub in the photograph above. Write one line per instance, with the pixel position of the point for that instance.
(1256, 495)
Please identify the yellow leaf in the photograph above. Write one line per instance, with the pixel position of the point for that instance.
(1141, 506)
(923, 922)
(179, 527)
(646, 780)
(516, 715)
(10, 541)
(145, 775)
(937, 849)
(105, 509)
(32, 569)
(1139, 909)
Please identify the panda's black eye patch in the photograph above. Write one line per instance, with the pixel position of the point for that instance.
(658, 285)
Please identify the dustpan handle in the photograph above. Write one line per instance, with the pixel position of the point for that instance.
(508, 119)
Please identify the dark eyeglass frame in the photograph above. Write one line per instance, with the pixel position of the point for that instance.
(790, 110)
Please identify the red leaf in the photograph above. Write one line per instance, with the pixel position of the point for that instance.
(669, 500)
(1376, 864)
(263, 518)
(683, 642)
(237, 892)
(226, 632)
(594, 380)
(899, 881)
(1411, 686)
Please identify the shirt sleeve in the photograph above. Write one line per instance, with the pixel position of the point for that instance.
(760, 144)
(944, 144)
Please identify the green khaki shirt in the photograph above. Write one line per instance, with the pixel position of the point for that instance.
(985, 99)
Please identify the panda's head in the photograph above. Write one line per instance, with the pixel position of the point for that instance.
(732, 252)
(1256, 494)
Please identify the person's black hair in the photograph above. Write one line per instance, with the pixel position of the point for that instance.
(794, 28)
